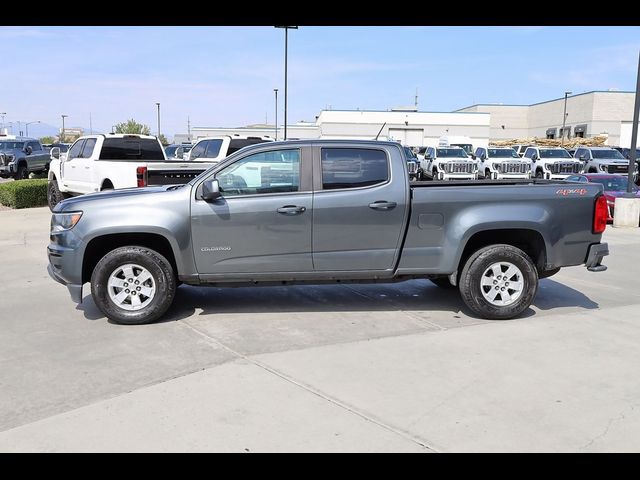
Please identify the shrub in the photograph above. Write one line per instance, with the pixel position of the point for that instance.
(24, 193)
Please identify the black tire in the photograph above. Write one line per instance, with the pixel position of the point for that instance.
(472, 274)
(163, 276)
(54, 195)
(443, 282)
(539, 174)
(22, 173)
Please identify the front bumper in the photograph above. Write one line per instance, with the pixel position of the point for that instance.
(63, 264)
(458, 176)
(597, 252)
(7, 170)
(511, 176)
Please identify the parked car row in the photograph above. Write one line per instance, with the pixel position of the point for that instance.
(20, 156)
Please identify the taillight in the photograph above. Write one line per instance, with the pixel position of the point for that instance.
(600, 214)
(141, 176)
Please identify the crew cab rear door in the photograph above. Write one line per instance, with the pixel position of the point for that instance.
(262, 222)
(360, 207)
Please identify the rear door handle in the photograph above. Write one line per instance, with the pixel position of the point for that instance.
(383, 205)
(291, 210)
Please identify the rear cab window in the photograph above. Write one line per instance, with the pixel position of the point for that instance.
(353, 167)
(131, 148)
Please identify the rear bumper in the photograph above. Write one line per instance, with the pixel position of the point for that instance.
(597, 252)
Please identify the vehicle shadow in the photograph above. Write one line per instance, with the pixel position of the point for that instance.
(413, 295)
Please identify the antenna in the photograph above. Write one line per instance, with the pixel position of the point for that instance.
(380, 130)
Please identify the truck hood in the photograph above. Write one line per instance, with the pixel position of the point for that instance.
(127, 197)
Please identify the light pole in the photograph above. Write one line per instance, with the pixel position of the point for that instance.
(286, 46)
(276, 92)
(564, 117)
(26, 125)
(2, 115)
(158, 119)
(62, 136)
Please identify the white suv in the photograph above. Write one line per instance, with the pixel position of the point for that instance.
(552, 162)
(497, 163)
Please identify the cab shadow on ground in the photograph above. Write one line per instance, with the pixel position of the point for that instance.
(410, 296)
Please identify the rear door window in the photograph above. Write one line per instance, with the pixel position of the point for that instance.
(237, 143)
(213, 148)
(353, 167)
(198, 150)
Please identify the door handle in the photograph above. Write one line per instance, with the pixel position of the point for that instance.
(291, 210)
(383, 205)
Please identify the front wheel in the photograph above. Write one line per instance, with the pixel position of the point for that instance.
(22, 173)
(133, 285)
(54, 195)
(499, 282)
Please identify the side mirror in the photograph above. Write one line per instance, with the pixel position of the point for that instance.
(211, 190)
(55, 152)
(28, 150)
(582, 157)
(483, 157)
(534, 157)
(473, 156)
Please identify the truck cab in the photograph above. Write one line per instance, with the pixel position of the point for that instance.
(552, 162)
(498, 163)
(447, 163)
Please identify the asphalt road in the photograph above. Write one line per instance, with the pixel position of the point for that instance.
(402, 367)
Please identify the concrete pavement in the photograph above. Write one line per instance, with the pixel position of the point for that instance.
(401, 367)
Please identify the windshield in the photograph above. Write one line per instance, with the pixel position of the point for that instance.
(468, 148)
(10, 145)
(609, 153)
(502, 153)
(554, 153)
(451, 153)
(409, 153)
(614, 184)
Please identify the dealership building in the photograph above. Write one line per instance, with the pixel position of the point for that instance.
(588, 114)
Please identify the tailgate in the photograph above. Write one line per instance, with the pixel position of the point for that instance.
(172, 173)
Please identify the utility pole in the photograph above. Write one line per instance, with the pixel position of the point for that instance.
(62, 136)
(564, 117)
(416, 99)
(634, 135)
(189, 128)
(2, 115)
(158, 119)
(276, 92)
(286, 46)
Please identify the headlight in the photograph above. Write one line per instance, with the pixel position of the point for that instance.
(64, 221)
(547, 166)
(496, 166)
(602, 167)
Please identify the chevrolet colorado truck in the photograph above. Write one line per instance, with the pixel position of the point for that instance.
(317, 211)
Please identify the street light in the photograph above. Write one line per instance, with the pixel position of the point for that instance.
(276, 92)
(2, 115)
(158, 119)
(564, 117)
(27, 126)
(62, 136)
(286, 42)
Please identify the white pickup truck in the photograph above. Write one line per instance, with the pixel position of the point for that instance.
(102, 162)
(205, 153)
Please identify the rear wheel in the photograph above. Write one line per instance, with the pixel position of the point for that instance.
(499, 282)
(133, 285)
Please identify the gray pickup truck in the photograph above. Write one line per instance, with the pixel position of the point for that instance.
(317, 211)
(19, 156)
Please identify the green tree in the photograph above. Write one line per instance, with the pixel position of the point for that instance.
(163, 140)
(131, 126)
(47, 139)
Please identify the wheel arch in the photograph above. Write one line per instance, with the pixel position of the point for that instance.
(528, 240)
(100, 245)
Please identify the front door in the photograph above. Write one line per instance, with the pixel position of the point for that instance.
(71, 167)
(262, 222)
(359, 208)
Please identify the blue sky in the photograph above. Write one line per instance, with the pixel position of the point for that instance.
(225, 76)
